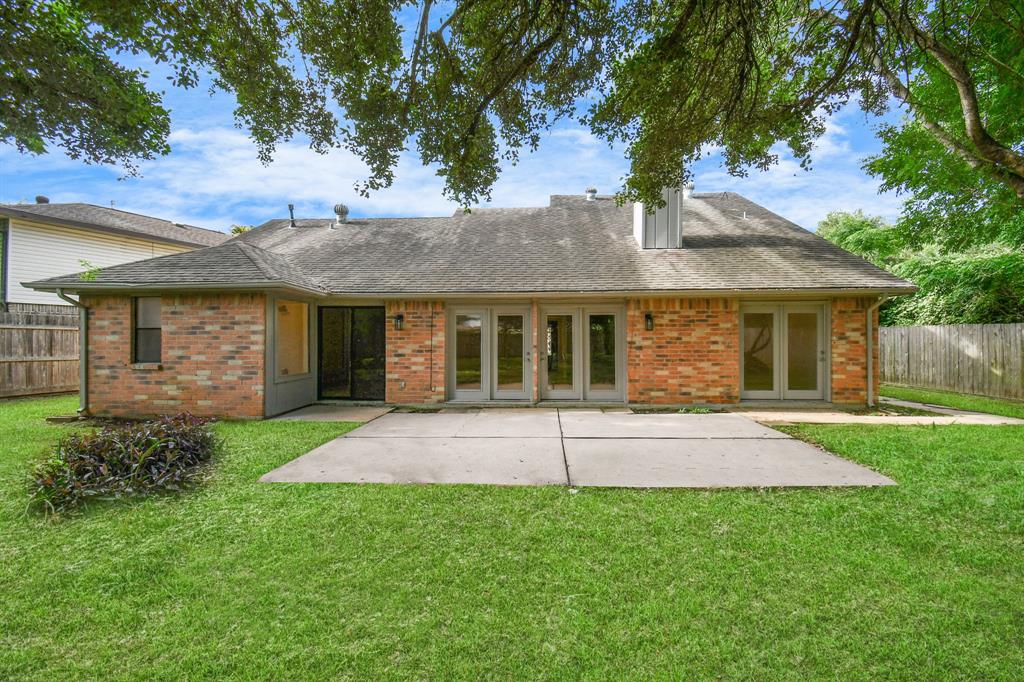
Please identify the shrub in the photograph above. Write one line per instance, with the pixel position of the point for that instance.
(123, 460)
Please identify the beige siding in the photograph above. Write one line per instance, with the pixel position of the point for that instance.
(39, 250)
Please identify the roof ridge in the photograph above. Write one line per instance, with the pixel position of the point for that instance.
(265, 256)
(121, 210)
(245, 248)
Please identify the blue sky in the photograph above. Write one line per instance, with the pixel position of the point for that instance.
(213, 178)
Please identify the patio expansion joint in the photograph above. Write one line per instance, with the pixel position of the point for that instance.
(561, 441)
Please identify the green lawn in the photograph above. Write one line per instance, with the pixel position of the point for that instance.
(978, 403)
(247, 580)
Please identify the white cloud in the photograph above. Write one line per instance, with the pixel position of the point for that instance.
(213, 178)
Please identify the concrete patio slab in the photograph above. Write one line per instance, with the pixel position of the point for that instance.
(512, 423)
(495, 461)
(334, 413)
(579, 424)
(712, 463)
(412, 424)
(526, 447)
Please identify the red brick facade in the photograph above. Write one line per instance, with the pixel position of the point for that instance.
(212, 357)
(214, 350)
(849, 350)
(691, 356)
(415, 354)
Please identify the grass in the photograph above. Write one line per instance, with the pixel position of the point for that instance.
(960, 401)
(239, 579)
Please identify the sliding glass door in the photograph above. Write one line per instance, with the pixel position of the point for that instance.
(351, 353)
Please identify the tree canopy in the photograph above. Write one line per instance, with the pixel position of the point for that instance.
(981, 284)
(477, 81)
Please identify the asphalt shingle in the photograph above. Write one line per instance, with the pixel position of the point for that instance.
(102, 218)
(571, 246)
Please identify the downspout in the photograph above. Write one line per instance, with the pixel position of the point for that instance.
(83, 351)
(871, 340)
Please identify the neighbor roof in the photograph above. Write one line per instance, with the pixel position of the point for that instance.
(570, 246)
(116, 221)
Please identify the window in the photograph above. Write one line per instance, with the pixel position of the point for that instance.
(292, 342)
(147, 332)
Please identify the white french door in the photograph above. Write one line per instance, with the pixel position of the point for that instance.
(783, 352)
(581, 352)
(491, 356)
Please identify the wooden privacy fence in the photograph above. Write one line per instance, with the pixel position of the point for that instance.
(983, 359)
(38, 352)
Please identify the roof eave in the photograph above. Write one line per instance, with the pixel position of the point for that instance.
(122, 287)
(67, 222)
(633, 293)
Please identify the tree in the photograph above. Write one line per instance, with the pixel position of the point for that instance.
(240, 229)
(980, 285)
(475, 83)
(867, 236)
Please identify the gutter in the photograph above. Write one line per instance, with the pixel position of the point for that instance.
(83, 351)
(758, 294)
(870, 351)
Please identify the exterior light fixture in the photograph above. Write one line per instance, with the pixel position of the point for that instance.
(399, 322)
(649, 321)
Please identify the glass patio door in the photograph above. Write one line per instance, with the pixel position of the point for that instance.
(511, 355)
(581, 352)
(351, 353)
(491, 358)
(782, 351)
(559, 350)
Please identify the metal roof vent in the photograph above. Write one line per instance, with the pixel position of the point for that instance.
(291, 215)
(688, 190)
(341, 211)
(40, 199)
(591, 193)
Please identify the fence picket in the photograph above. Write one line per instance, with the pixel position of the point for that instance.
(967, 358)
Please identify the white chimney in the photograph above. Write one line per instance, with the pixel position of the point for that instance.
(661, 228)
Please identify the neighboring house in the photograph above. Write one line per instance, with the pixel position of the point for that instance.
(710, 300)
(44, 240)
(39, 330)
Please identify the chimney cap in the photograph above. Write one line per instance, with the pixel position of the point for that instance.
(41, 199)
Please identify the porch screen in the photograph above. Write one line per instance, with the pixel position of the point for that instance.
(291, 340)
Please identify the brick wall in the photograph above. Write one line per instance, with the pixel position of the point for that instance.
(691, 356)
(415, 355)
(849, 355)
(212, 357)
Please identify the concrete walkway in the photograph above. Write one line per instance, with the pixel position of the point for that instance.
(944, 416)
(576, 448)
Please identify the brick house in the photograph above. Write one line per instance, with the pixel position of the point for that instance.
(710, 300)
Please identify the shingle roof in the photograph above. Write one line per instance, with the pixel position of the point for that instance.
(571, 246)
(232, 264)
(116, 221)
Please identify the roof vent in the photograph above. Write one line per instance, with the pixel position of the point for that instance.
(40, 199)
(688, 190)
(291, 215)
(341, 211)
(591, 193)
